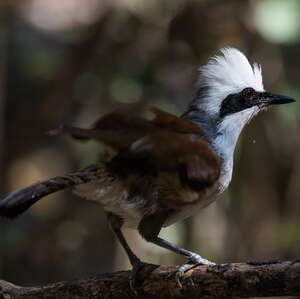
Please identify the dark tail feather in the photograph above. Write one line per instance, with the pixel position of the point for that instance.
(17, 202)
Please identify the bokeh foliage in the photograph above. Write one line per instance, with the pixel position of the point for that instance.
(70, 61)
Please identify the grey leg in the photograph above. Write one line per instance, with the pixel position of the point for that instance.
(150, 227)
(193, 257)
(116, 223)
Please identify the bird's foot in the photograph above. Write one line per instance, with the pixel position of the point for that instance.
(139, 271)
(195, 259)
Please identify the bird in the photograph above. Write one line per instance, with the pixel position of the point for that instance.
(167, 168)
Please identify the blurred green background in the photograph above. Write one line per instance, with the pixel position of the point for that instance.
(70, 61)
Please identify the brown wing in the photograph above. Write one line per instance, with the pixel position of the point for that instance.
(165, 143)
(118, 129)
(167, 150)
(172, 122)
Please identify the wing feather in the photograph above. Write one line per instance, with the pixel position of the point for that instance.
(165, 143)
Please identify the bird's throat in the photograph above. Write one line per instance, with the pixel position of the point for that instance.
(222, 135)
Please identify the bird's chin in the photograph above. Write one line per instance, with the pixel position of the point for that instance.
(263, 107)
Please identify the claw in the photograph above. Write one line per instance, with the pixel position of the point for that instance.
(181, 270)
(178, 276)
(195, 259)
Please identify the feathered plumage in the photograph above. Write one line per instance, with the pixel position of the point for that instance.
(226, 74)
(166, 168)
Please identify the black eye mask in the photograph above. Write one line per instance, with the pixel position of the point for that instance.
(239, 101)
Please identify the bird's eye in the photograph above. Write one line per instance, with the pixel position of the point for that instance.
(248, 93)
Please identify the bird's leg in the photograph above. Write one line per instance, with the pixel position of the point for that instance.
(116, 223)
(150, 227)
(193, 257)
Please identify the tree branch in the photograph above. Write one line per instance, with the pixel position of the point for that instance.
(255, 279)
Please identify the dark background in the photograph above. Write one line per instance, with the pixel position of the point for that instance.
(71, 61)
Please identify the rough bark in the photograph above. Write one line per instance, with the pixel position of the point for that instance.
(252, 279)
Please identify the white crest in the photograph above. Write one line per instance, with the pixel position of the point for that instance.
(226, 74)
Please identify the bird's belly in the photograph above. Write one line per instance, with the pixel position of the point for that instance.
(117, 199)
(189, 210)
(114, 198)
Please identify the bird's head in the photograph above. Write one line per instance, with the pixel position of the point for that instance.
(231, 88)
(230, 93)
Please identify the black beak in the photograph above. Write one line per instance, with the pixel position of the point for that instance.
(275, 99)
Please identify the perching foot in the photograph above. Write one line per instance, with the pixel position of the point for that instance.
(195, 259)
(138, 274)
